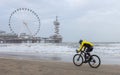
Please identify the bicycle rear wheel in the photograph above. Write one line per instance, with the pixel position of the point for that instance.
(78, 60)
(94, 61)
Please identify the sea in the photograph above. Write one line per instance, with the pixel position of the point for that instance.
(109, 52)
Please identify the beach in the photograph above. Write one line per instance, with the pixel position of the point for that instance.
(52, 59)
(9, 66)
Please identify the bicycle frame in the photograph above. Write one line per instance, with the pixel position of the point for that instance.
(83, 54)
(86, 58)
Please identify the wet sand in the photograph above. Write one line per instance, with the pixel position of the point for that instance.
(10, 66)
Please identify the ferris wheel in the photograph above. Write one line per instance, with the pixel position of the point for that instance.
(24, 20)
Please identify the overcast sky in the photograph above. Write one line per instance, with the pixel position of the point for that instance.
(92, 20)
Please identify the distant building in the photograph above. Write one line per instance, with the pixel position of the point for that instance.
(14, 38)
(56, 38)
(6, 37)
(25, 38)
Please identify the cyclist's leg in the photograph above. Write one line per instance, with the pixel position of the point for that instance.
(87, 53)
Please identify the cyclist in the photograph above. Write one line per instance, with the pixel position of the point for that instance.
(85, 46)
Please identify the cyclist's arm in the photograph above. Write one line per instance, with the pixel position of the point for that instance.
(80, 48)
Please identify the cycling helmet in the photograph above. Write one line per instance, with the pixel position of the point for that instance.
(80, 41)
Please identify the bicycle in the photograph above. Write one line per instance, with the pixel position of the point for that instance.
(80, 58)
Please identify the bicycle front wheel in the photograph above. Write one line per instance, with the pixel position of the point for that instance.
(78, 60)
(94, 61)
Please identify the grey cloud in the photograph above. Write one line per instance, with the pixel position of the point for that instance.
(94, 20)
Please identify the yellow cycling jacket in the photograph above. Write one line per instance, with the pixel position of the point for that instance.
(82, 45)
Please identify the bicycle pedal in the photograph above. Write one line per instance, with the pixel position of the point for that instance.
(84, 61)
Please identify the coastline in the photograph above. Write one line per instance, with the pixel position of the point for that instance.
(11, 66)
(105, 60)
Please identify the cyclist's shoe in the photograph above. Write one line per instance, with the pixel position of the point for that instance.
(90, 58)
(87, 57)
(84, 61)
(77, 51)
